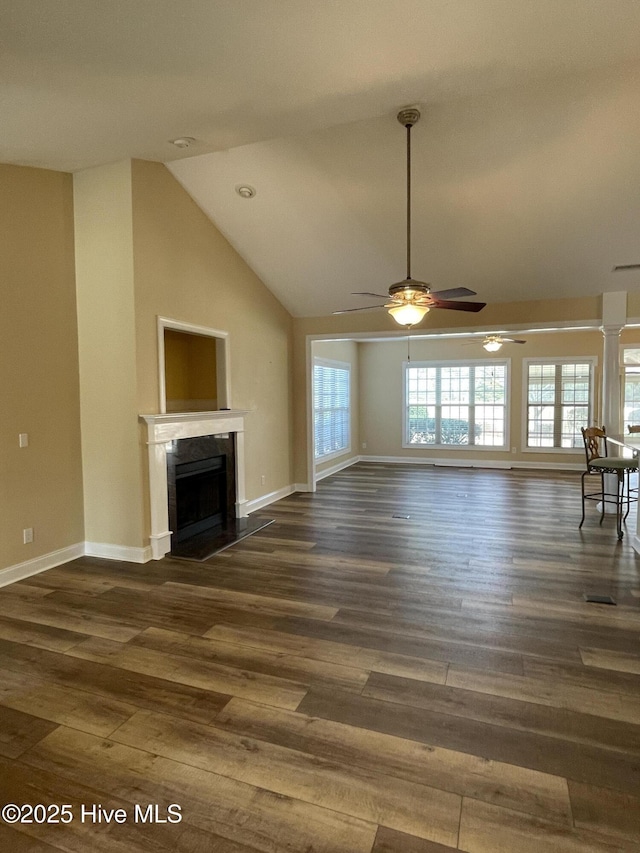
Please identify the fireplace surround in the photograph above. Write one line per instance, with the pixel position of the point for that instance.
(163, 435)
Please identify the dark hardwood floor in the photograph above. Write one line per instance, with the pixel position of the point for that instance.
(343, 681)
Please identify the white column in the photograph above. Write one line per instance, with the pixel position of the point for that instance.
(614, 317)
(611, 379)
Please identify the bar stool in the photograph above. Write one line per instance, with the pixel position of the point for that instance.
(599, 464)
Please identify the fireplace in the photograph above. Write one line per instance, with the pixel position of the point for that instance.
(200, 485)
(201, 496)
(164, 434)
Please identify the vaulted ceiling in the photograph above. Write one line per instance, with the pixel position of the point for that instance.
(526, 162)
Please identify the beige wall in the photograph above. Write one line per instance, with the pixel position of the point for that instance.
(113, 476)
(186, 270)
(145, 249)
(40, 485)
(347, 352)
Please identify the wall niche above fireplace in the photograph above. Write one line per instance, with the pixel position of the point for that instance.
(192, 365)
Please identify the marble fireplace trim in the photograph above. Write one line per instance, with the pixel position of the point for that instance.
(161, 431)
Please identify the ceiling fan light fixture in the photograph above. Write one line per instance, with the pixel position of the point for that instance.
(492, 345)
(408, 314)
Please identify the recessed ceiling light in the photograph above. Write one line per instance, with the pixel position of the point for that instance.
(182, 141)
(245, 191)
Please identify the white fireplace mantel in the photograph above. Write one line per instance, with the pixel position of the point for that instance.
(162, 430)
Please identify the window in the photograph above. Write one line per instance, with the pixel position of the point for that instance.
(456, 404)
(331, 408)
(559, 395)
(631, 387)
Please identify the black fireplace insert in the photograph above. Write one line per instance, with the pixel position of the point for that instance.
(201, 496)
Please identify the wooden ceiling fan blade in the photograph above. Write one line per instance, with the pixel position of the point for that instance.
(364, 308)
(459, 306)
(453, 293)
(368, 293)
(513, 341)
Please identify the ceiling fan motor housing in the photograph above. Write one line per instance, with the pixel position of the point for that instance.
(409, 289)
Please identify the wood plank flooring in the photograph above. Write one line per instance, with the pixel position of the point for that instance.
(343, 681)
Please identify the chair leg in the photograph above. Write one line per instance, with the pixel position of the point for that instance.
(628, 473)
(619, 501)
(604, 502)
(582, 520)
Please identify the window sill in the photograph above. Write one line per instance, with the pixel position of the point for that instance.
(499, 448)
(564, 450)
(327, 457)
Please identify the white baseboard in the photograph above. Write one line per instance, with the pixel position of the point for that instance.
(125, 553)
(271, 497)
(302, 487)
(550, 466)
(473, 463)
(40, 564)
(402, 460)
(340, 466)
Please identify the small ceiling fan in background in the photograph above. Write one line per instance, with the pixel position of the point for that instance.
(410, 300)
(492, 343)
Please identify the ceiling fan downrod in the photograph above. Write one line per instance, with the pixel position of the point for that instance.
(408, 117)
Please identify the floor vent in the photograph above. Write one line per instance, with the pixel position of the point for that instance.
(599, 599)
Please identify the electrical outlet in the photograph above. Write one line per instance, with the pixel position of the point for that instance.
(514, 450)
(263, 479)
(23, 439)
(364, 445)
(27, 535)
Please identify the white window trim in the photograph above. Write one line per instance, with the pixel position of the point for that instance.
(342, 365)
(623, 377)
(623, 349)
(592, 361)
(498, 448)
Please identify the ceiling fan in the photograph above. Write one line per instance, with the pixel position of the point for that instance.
(410, 300)
(492, 343)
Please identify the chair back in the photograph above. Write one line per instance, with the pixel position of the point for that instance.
(634, 427)
(595, 440)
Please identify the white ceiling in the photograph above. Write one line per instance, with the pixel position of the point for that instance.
(526, 160)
